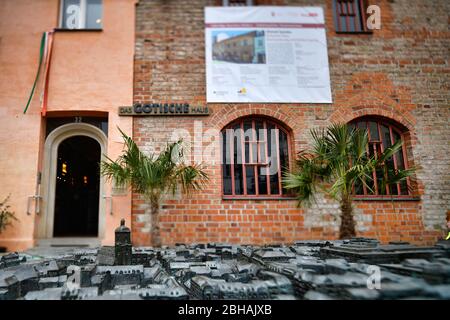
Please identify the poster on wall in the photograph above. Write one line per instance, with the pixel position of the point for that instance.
(266, 55)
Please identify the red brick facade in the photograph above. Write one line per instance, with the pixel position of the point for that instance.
(400, 72)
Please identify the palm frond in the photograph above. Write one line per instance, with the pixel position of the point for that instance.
(338, 160)
(360, 140)
(389, 152)
(153, 175)
(115, 171)
(308, 174)
(191, 178)
(401, 175)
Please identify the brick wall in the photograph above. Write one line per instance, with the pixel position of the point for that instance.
(400, 72)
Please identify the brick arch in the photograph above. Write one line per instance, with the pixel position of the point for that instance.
(347, 115)
(374, 94)
(229, 113)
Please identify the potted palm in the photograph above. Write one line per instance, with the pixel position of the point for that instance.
(338, 161)
(6, 218)
(154, 176)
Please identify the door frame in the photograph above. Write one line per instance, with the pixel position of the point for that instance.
(52, 142)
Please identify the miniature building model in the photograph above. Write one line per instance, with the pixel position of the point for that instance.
(123, 248)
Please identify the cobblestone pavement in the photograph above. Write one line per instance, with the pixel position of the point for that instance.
(353, 269)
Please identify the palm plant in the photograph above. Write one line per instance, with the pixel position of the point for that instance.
(154, 176)
(6, 216)
(336, 163)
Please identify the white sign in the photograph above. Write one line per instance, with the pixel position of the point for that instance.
(266, 55)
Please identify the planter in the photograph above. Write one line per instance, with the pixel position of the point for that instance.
(2, 249)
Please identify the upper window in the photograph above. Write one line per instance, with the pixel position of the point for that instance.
(81, 14)
(350, 16)
(255, 152)
(382, 135)
(230, 3)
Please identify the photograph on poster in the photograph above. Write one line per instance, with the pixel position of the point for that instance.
(239, 46)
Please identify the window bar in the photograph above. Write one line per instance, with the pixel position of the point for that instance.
(353, 185)
(277, 138)
(344, 13)
(374, 175)
(364, 178)
(405, 163)
(258, 148)
(341, 4)
(244, 175)
(375, 182)
(395, 158)
(350, 7)
(382, 150)
(291, 148)
(338, 15)
(362, 10)
(347, 17)
(356, 19)
(267, 157)
(368, 154)
(351, 16)
(233, 187)
(255, 167)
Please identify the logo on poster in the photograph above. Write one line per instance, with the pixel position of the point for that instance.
(242, 92)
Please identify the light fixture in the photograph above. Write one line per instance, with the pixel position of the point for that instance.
(64, 169)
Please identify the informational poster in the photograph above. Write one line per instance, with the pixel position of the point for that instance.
(266, 55)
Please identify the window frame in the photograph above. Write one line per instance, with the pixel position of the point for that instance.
(402, 133)
(280, 196)
(83, 15)
(226, 3)
(362, 4)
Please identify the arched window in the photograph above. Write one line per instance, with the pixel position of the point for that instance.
(255, 153)
(383, 134)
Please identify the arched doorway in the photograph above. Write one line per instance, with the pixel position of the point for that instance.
(73, 205)
(77, 188)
